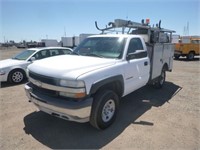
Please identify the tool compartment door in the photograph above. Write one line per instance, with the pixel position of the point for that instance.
(168, 53)
(157, 60)
(162, 54)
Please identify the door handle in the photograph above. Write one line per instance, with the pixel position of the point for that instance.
(145, 63)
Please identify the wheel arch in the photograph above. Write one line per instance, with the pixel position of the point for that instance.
(14, 69)
(192, 51)
(115, 83)
(165, 67)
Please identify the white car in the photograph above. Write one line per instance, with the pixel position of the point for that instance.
(14, 69)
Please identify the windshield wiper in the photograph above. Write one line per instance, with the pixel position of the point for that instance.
(95, 55)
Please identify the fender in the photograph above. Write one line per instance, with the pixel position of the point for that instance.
(118, 80)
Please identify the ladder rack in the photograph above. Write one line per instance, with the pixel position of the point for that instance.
(152, 33)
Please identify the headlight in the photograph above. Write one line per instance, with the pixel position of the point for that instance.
(74, 89)
(2, 72)
(69, 83)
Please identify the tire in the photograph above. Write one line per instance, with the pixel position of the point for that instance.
(190, 56)
(177, 57)
(104, 109)
(16, 76)
(161, 80)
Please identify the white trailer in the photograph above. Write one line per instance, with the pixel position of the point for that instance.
(76, 40)
(175, 38)
(50, 42)
(185, 39)
(84, 36)
(70, 41)
(67, 41)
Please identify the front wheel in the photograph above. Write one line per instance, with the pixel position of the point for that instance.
(16, 76)
(104, 109)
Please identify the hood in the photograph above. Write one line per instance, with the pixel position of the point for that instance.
(10, 62)
(69, 66)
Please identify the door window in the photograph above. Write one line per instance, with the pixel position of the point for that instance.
(135, 44)
(41, 54)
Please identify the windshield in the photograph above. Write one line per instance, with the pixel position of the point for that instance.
(24, 55)
(105, 47)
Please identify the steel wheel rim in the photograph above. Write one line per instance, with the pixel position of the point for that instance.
(108, 110)
(17, 76)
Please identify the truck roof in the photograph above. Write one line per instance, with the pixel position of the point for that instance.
(116, 35)
(43, 48)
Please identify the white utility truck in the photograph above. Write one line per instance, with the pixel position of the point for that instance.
(87, 85)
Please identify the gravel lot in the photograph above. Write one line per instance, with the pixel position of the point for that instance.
(148, 119)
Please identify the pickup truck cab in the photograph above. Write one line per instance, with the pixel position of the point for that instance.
(88, 85)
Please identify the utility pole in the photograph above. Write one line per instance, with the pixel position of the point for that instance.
(64, 32)
(188, 28)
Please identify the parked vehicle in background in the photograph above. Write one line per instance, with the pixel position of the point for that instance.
(188, 47)
(70, 41)
(103, 69)
(21, 45)
(74, 41)
(13, 69)
(49, 42)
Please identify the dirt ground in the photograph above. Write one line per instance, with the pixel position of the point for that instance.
(148, 119)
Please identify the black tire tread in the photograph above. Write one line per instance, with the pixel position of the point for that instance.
(97, 105)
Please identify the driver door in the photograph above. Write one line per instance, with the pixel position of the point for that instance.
(137, 66)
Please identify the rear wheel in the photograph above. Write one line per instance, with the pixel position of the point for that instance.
(177, 56)
(104, 109)
(161, 80)
(190, 56)
(16, 76)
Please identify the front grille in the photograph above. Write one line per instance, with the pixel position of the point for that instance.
(42, 78)
(43, 91)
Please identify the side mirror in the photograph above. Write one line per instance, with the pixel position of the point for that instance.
(137, 54)
(32, 59)
(130, 56)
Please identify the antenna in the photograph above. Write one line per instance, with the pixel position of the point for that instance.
(186, 29)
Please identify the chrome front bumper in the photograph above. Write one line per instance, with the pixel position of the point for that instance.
(68, 110)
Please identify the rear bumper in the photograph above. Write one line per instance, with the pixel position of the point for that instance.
(69, 110)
